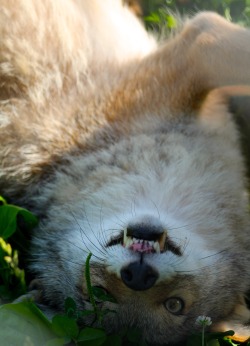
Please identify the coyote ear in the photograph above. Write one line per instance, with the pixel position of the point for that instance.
(226, 109)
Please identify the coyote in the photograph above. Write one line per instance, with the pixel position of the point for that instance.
(134, 151)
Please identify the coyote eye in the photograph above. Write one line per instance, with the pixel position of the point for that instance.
(174, 305)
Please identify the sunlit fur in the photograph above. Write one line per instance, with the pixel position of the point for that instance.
(101, 127)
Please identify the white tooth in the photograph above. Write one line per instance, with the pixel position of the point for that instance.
(162, 240)
(129, 242)
(125, 238)
(141, 241)
(151, 243)
(156, 246)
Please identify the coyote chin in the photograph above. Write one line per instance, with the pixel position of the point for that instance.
(135, 152)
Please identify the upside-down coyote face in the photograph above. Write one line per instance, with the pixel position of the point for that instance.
(164, 215)
(130, 152)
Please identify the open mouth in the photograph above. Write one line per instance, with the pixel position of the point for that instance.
(158, 243)
(144, 245)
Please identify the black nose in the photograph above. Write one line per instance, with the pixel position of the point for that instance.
(139, 276)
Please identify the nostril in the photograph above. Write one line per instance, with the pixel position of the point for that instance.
(139, 276)
(150, 278)
(127, 275)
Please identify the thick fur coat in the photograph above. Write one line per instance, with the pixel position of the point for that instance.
(129, 150)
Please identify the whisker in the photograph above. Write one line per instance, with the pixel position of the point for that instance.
(121, 223)
(71, 212)
(85, 234)
(133, 208)
(215, 254)
(102, 234)
(66, 259)
(193, 270)
(157, 209)
(78, 247)
(183, 226)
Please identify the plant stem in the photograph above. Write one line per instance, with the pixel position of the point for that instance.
(89, 288)
(203, 336)
(88, 284)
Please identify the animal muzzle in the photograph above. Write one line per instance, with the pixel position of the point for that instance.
(148, 236)
(139, 276)
(143, 238)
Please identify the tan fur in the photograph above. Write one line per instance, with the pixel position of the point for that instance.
(100, 127)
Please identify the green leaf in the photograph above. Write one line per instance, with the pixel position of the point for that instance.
(194, 340)
(8, 219)
(69, 304)
(153, 18)
(12, 278)
(23, 324)
(91, 336)
(87, 313)
(213, 342)
(5, 248)
(70, 308)
(171, 22)
(57, 342)
(28, 310)
(102, 295)
(114, 340)
(212, 339)
(64, 326)
(220, 335)
(2, 201)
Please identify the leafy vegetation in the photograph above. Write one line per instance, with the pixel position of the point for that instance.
(160, 13)
(12, 277)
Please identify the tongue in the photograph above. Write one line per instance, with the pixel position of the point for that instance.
(142, 247)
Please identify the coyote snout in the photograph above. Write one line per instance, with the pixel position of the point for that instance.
(145, 236)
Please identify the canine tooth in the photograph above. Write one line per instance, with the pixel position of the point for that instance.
(156, 246)
(162, 240)
(129, 242)
(151, 243)
(125, 238)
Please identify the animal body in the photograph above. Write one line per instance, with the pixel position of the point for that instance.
(129, 149)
